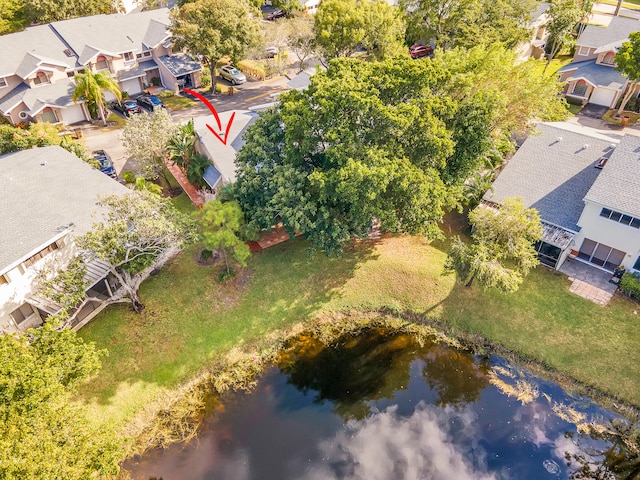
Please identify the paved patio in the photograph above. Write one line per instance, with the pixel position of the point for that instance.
(589, 282)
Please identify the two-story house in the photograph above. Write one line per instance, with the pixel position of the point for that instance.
(586, 187)
(591, 76)
(38, 64)
(534, 46)
(48, 197)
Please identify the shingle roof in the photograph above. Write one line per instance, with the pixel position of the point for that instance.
(113, 33)
(618, 186)
(39, 42)
(618, 29)
(59, 94)
(179, 64)
(598, 75)
(45, 191)
(13, 98)
(541, 8)
(139, 71)
(553, 175)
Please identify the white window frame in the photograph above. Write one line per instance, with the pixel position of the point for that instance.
(129, 61)
(580, 50)
(44, 75)
(3, 82)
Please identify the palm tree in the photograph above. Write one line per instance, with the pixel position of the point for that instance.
(90, 87)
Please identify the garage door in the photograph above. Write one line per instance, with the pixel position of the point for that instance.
(73, 114)
(602, 96)
(132, 87)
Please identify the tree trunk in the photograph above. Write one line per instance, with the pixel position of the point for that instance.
(618, 7)
(212, 69)
(627, 96)
(226, 260)
(473, 277)
(101, 108)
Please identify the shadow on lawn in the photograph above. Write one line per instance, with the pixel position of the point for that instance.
(190, 318)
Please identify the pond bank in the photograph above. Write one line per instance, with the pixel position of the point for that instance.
(177, 416)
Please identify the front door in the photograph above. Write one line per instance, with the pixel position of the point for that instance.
(599, 254)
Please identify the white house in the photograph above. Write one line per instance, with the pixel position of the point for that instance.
(586, 187)
(48, 196)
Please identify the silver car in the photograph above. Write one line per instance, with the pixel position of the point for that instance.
(232, 74)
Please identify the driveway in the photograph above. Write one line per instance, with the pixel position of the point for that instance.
(593, 111)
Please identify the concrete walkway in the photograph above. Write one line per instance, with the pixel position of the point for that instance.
(589, 282)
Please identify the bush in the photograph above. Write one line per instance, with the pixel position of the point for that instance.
(205, 79)
(155, 81)
(224, 275)
(166, 94)
(206, 254)
(253, 69)
(630, 285)
(128, 177)
(574, 101)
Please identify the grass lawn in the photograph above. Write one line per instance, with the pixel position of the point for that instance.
(178, 102)
(189, 318)
(574, 109)
(555, 65)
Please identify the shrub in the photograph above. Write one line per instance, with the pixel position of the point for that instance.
(224, 275)
(206, 254)
(253, 69)
(574, 101)
(205, 80)
(155, 81)
(166, 94)
(630, 285)
(128, 177)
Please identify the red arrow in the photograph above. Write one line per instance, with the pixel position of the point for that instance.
(215, 115)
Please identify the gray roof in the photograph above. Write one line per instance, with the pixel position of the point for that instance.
(619, 29)
(618, 186)
(13, 98)
(39, 44)
(597, 75)
(540, 9)
(301, 81)
(59, 94)
(39, 202)
(552, 175)
(180, 64)
(114, 34)
(139, 71)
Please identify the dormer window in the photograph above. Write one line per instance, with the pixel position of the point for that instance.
(101, 63)
(3, 82)
(41, 79)
(129, 57)
(608, 58)
(583, 51)
(145, 54)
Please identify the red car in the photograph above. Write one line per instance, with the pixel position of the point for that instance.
(276, 14)
(419, 51)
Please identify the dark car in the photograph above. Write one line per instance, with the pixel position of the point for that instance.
(150, 102)
(276, 14)
(127, 107)
(419, 51)
(106, 165)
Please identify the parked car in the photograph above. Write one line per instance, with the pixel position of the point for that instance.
(232, 74)
(270, 52)
(419, 51)
(127, 107)
(276, 14)
(150, 102)
(106, 165)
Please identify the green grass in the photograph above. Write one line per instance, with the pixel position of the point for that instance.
(189, 318)
(178, 102)
(555, 65)
(116, 120)
(574, 109)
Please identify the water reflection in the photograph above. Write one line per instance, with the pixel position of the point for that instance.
(381, 406)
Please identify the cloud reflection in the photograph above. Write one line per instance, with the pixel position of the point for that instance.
(388, 446)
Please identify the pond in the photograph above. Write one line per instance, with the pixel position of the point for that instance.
(380, 406)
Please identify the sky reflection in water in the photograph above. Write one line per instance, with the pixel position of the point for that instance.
(379, 407)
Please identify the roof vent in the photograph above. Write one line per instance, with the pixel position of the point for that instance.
(43, 164)
(585, 146)
(559, 139)
(601, 162)
(130, 39)
(68, 52)
(612, 146)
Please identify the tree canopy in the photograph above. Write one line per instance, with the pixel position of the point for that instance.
(627, 62)
(140, 232)
(467, 23)
(43, 433)
(392, 141)
(502, 251)
(213, 29)
(343, 26)
(90, 87)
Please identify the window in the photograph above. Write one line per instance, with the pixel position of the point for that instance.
(48, 115)
(620, 217)
(608, 58)
(22, 313)
(41, 78)
(146, 54)
(3, 82)
(101, 63)
(128, 57)
(579, 88)
(583, 51)
(71, 74)
(3, 279)
(636, 266)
